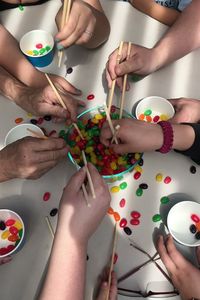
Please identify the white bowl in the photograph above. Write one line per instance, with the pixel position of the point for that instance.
(20, 131)
(158, 105)
(179, 222)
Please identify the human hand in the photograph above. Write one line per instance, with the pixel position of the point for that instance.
(75, 217)
(43, 101)
(187, 110)
(134, 136)
(31, 157)
(104, 287)
(184, 275)
(142, 61)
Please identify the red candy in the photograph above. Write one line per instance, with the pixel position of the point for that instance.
(167, 180)
(39, 46)
(115, 258)
(135, 214)
(3, 251)
(195, 218)
(46, 196)
(135, 222)
(137, 175)
(13, 238)
(156, 119)
(122, 203)
(10, 222)
(40, 121)
(10, 248)
(52, 132)
(90, 97)
(123, 223)
(13, 230)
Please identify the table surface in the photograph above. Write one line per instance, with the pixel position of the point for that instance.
(22, 277)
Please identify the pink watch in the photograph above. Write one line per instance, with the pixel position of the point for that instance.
(168, 136)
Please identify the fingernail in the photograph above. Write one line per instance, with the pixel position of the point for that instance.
(60, 47)
(57, 40)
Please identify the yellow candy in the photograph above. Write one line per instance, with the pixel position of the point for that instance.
(29, 115)
(29, 52)
(137, 156)
(98, 117)
(95, 121)
(115, 189)
(164, 117)
(113, 165)
(5, 234)
(93, 160)
(89, 150)
(18, 225)
(77, 139)
(121, 161)
(138, 169)
(76, 150)
(159, 177)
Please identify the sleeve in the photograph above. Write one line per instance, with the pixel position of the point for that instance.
(183, 4)
(194, 151)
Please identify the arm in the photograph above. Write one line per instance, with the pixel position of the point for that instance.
(161, 13)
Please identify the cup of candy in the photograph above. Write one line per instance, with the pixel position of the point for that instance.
(110, 165)
(38, 47)
(154, 109)
(11, 233)
(183, 222)
(20, 131)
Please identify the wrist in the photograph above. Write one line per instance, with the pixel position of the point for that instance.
(184, 137)
(4, 176)
(156, 58)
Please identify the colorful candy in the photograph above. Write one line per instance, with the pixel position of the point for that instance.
(152, 116)
(164, 200)
(10, 222)
(123, 185)
(90, 97)
(135, 214)
(193, 169)
(135, 222)
(115, 189)
(156, 218)
(127, 230)
(137, 175)
(2, 225)
(122, 203)
(159, 177)
(195, 218)
(69, 70)
(123, 223)
(47, 118)
(143, 186)
(39, 50)
(46, 196)
(53, 212)
(139, 192)
(167, 180)
(193, 229)
(116, 216)
(19, 120)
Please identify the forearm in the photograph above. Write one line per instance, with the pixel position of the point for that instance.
(182, 38)
(66, 269)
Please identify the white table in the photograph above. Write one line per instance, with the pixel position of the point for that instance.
(20, 279)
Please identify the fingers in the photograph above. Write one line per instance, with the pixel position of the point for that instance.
(54, 110)
(106, 135)
(121, 148)
(166, 259)
(97, 180)
(48, 144)
(65, 88)
(54, 155)
(104, 289)
(111, 64)
(128, 66)
(77, 180)
(174, 254)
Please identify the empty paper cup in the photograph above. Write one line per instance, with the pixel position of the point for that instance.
(38, 47)
(20, 131)
(154, 109)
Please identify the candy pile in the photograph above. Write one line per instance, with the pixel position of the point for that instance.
(195, 228)
(11, 232)
(40, 49)
(152, 116)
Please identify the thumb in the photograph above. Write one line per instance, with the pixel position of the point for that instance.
(178, 117)
(128, 66)
(121, 149)
(77, 180)
(103, 291)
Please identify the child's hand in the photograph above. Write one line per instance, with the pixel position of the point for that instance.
(134, 136)
(104, 287)
(75, 217)
(43, 101)
(184, 275)
(142, 61)
(187, 110)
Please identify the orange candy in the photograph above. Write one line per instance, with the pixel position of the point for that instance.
(149, 119)
(110, 211)
(18, 120)
(116, 216)
(141, 117)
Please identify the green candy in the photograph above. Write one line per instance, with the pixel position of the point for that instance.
(48, 48)
(72, 143)
(96, 132)
(62, 133)
(115, 116)
(80, 125)
(148, 112)
(35, 52)
(156, 218)
(164, 200)
(139, 192)
(90, 143)
(42, 51)
(123, 185)
(20, 233)
(21, 7)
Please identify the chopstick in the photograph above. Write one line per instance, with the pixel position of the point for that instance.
(37, 134)
(88, 176)
(110, 124)
(49, 226)
(117, 127)
(111, 91)
(78, 130)
(124, 84)
(65, 18)
(112, 260)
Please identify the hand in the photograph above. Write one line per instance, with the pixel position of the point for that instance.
(187, 110)
(104, 287)
(43, 101)
(134, 136)
(184, 275)
(31, 157)
(75, 217)
(142, 61)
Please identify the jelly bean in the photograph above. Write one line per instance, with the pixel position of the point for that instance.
(135, 222)
(29, 115)
(35, 52)
(18, 225)
(159, 177)
(19, 120)
(21, 7)
(33, 121)
(110, 211)
(29, 52)
(39, 46)
(115, 258)
(52, 132)
(20, 233)
(137, 175)
(143, 186)
(116, 216)
(113, 165)
(123, 185)
(5, 235)
(46, 196)
(53, 212)
(123, 223)
(141, 117)
(156, 119)
(113, 109)
(98, 117)
(42, 51)
(156, 218)
(40, 121)
(10, 248)
(13, 230)
(141, 162)
(90, 97)
(10, 222)
(69, 70)
(167, 180)
(195, 218)
(137, 156)
(48, 48)
(2, 225)
(13, 238)
(138, 169)
(193, 169)
(127, 230)
(164, 200)
(148, 112)
(135, 214)
(3, 251)
(197, 235)
(149, 119)
(122, 202)
(193, 229)
(115, 189)
(164, 117)
(139, 192)
(47, 118)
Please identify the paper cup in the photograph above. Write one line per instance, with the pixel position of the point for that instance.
(154, 109)
(12, 232)
(20, 131)
(179, 221)
(38, 47)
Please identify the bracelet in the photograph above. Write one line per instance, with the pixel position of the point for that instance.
(168, 136)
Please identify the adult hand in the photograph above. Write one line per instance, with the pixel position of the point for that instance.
(142, 61)
(187, 110)
(75, 217)
(184, 275)
(104, 287)
(31, 157)
(134, 136)
(43, 101)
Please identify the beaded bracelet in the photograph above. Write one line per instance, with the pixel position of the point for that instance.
(168, 136)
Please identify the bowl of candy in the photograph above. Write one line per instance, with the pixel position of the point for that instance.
(154, 109)
(11, 232)
(110, 165)
(183, 222)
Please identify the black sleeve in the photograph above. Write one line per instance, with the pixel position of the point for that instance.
(194, 151)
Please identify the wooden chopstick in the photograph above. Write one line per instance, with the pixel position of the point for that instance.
(110, 124)
(88, 176)
(37, 134)
(117, 127)
(112, 260)
(111, 91)
(85, 193)
(49, 226)
(78, 130)
(124, 84)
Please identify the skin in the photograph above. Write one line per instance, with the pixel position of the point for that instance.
(187, 110)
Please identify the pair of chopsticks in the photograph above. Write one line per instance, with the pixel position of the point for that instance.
(83, 153)
(65, 18)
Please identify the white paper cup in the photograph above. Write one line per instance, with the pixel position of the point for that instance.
(20, 131)
(179, 222)
(159, 107)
